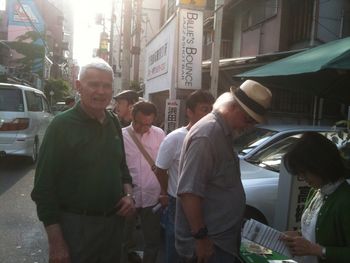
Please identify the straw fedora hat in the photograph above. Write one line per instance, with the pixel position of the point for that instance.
(254, 98)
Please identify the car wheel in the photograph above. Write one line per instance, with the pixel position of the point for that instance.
(253, 213)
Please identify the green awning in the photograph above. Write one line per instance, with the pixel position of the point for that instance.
(323, 71)
(335, 54)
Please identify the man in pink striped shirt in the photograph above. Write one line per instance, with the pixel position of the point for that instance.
(146, 187)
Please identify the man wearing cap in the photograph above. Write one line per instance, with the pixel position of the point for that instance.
(124, 102)
(211, 198)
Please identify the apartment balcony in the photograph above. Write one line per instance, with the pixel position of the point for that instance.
(225, 50)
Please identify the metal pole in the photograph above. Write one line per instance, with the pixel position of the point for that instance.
(137, 40)
(126, 45)
(313, 25)
(215, 51)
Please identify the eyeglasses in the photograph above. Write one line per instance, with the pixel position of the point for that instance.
(249, 120)
(140, 124)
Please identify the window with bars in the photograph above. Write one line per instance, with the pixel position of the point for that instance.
(291, 102)
(259, 11)
(300, 20)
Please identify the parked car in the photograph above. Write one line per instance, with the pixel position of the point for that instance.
(261, 151)
(24, 117)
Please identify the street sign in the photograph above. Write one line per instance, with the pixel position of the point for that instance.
(291, 197)
(172, 112)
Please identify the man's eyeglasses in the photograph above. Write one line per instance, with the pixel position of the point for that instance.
(250, 120)
(140, 124)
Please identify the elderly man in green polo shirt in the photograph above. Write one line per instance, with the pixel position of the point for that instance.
(82, 185)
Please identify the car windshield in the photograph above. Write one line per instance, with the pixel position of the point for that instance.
(270, 157)
(11, 100)
(251, 139)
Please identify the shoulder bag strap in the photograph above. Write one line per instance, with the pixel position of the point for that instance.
(141, 148)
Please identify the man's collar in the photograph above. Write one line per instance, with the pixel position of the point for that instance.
(85, 116)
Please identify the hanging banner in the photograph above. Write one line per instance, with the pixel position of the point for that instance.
(190, 49)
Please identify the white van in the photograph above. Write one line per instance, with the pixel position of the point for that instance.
(24, 117)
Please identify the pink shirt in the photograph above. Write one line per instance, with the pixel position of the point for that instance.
(146, 186)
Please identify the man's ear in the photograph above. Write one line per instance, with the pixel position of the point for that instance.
(189, 113)
(78, 85)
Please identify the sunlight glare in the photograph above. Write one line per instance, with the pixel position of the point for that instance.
(86, 32)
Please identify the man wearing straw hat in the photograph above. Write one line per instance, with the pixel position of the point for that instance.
(211, 201)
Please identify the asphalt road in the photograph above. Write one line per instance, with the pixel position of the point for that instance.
(22, 236)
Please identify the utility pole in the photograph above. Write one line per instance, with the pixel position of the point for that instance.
(126, 44)
(215, 51)
(136, 48)
(111, 36)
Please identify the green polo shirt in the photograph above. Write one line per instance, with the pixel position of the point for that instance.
(81, 165)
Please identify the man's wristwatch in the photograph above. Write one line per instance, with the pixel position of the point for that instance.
(201, 233)
(131, 196)
(323, 251)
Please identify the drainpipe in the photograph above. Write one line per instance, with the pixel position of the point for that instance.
(313, 25)
(215, 53)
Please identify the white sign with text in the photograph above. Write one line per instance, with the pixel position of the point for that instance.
(172, 111)
(190, 49)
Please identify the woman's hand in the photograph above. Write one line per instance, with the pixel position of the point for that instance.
(299, 246)
(292, 233)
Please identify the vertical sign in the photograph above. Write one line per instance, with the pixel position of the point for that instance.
(290, 203)
(172, 111)
(190, 49)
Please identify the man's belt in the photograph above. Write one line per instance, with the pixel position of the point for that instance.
(87, 212)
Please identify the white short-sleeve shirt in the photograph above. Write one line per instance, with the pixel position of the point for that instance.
(169, 156)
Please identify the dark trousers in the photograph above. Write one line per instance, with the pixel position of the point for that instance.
(220, 256)
(171, 255)
(93, 239)
(151, 231)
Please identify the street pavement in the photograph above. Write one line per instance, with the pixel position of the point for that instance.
(22, 236)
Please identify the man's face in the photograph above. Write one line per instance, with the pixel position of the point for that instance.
(96, 89)
(122, 108)
(199, 112)
(142, 123)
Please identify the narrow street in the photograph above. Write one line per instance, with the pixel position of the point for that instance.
(22, 237)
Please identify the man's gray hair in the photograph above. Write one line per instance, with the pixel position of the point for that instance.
(223, 101)
(95, 63)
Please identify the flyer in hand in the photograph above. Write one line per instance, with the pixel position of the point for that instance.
(265, 236)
